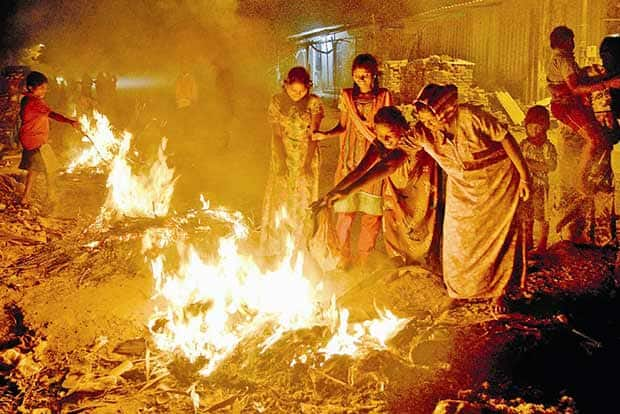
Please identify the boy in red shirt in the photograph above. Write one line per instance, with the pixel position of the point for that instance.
(37, 156)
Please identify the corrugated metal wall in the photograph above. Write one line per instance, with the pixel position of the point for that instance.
(507, 40)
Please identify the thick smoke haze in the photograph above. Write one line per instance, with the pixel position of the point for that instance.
(232, 47)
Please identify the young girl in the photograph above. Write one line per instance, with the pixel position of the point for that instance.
(358, 106)
(293, 180)
(412, 194)
(483, 249)
(541, 158)
(37, 155)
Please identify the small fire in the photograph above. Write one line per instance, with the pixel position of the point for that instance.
(144, 194)
(105, 144)
(355, 339)
(138, 195)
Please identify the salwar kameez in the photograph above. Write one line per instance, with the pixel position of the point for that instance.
(354, 142)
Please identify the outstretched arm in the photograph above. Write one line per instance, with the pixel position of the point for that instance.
(371, 156)
(584, 85)
(362, 176)
(380, 170)
(338, 129)
(61, 118)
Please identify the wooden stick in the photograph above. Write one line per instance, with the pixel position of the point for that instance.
(150, 383)
(336, 380)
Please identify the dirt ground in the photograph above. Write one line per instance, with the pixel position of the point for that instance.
(83, 302)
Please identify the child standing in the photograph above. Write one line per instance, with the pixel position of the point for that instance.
(358, 106)
(37, 155)
(542, 158)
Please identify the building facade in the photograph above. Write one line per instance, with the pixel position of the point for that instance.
(507, 40)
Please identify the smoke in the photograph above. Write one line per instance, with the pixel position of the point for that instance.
(146, 44)
(231, 46)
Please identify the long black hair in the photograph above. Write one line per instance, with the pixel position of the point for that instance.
(368, 62)
(391, 115)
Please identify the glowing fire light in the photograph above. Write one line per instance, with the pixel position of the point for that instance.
(138, 195)
(213, 304)
(355, 339)
(144, 194)
(105, 144)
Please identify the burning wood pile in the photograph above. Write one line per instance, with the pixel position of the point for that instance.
(225, 334)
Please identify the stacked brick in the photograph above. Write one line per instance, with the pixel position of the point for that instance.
(392, 76)
(441, 70)
(405, 79)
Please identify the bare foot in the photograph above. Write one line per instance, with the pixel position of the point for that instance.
(499, 306)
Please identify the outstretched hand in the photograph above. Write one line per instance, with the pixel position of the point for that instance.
(318, 205)
(329, 199)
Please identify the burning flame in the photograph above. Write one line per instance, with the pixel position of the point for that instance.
(138, 195)
(146, 194)
(357, 338)
(104, 143)
(213, 304)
